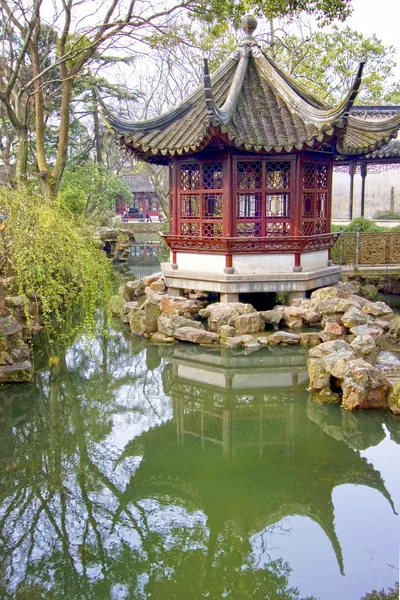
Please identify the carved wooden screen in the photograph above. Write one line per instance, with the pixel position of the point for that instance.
(315, 198)
(263, 197)
(200, 199)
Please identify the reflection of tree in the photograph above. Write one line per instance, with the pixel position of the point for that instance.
(74, 522)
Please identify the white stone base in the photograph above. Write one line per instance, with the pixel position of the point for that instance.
(249, 283)
(255, 264)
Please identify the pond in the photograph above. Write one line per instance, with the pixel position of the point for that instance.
(129, 470)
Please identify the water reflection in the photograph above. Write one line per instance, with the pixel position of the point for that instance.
(131, 471)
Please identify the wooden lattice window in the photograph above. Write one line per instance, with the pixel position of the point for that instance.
(263, 196)
(200, 199)
(315, 197)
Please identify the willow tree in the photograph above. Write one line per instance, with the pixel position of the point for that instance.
(39, 68)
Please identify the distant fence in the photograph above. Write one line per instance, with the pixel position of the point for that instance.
(367, 249)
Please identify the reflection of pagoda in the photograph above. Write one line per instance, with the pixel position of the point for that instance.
(243, 454)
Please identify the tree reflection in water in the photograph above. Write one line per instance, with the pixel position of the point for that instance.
(120, 478)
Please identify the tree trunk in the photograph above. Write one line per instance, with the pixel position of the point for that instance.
(22, 156)
(53, 182)
(96, 121)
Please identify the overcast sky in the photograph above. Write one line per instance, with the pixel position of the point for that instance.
(381, 17)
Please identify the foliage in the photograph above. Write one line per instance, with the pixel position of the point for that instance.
(326, 62)
(387, 214)
(391, 594)
(164, 254)
(90, 191)
(53, 258)
(359, 224)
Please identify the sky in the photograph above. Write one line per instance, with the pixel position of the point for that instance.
(381, 17)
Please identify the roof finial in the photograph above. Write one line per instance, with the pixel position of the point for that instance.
(249, 24)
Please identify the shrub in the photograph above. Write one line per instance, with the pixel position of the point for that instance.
(387, 214)
(53, 257)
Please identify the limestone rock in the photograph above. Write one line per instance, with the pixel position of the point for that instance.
(394, 327)
(325, 396)
(334, 329)
(368, 290)
(248, 323)
(283, 337)
(168, 324)
(236, 341)
(327, 292)
(354, 317)
(377, 309)
(161, 338)
(143, 320)
(196, 336)
(178, 305)
(16, 373)
(387, 362)
(310, 339)
(319, 377)
(363, 345)
(336, 305)
(393, 399)
(116, 305)
(348, 287)
(371, 330)
(364, 386)
(272, 317)
(158, 286)
(149, 279)
(252, 344)
(219, 313)
(329, 348)
(9, 326)
(132, 290)
(337, 364)
(227, 331)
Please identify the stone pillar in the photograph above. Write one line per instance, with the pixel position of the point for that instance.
(228, 298)
(173, 291)
(293, 295)
(363, 178)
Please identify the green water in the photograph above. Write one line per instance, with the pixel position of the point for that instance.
(133, 471)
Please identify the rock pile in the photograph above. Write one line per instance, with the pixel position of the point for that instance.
(115, 241)
(354, 356)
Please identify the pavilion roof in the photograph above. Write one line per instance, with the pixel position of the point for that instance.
(252, 104)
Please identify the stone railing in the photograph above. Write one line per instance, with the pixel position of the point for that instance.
(367, 249)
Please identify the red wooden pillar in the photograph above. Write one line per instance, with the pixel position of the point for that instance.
(229, 207)
(297, 202)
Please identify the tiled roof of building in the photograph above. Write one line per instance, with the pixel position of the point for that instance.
(252, 104)
(138, 182)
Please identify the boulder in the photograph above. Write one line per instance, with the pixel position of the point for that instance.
(337, 364)
(116, 305)
(325, 396)
(371, 330)
(309, 339)
(195, 336)
(252, 344)
(272, 317)
(149, 279)
(227, 331)
(161, 338)
(158, 286)
(248, 323)
(377, 309)
(393, 399)
(237, 341)
(144, 319)
(178, 305)
(319, 377)
(363, 345)
(348, 287)
(368, 291)
(327, 292)
(219, 313)
(167, 324)
(16, 373)
(132, 290)
(364, 386)
(334, 329)
(336, 305)
(9, 326)
(394, 327)
(387, 362)
(283, 337)
(354, 317)
(327, 348)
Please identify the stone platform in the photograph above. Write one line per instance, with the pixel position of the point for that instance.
(230, 285)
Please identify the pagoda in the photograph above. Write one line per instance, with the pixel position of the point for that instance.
(250, 156)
